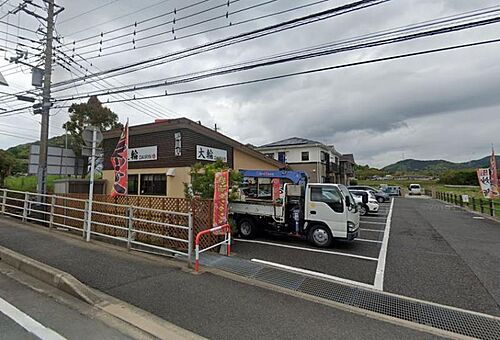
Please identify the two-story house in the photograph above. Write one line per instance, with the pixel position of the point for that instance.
(320, 161)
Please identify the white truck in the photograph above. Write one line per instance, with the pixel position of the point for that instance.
(320, 212)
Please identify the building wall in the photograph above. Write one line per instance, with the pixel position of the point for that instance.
(165, 142)
(294, 154)
(175, 183)
(315, 171)
(247, 162)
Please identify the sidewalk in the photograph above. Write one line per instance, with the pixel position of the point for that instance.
(207, 304)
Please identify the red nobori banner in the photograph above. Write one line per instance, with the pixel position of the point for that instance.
(221, 198)
(494, 175)
(119, 159)
(276, 189)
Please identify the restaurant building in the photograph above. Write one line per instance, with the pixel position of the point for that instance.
(162, 153)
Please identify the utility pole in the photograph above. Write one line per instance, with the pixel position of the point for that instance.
(44, 134)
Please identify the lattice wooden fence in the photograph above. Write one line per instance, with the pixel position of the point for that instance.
(201, 209)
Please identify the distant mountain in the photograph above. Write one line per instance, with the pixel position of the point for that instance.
(415, 165)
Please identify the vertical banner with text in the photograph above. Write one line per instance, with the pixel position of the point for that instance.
(493, 175)
(483, 175)
(221, 198)
(119, 159)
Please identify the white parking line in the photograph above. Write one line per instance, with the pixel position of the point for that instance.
(375, 217)
(313, 273)
(379, 274)
(374, 230)
(28, 323)
(366, 240)
(372, 222)
(309, 249)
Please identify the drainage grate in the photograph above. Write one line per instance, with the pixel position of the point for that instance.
(280, 278)
(441, 317)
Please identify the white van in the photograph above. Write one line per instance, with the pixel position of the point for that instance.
(415, 189)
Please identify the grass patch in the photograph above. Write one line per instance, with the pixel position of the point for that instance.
(28, 183)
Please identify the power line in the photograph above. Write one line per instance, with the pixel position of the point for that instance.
(316, 70)
(170, 30)
(87, 12)
(254, 34)
(105, 33)
(311, 53)
(120, 17)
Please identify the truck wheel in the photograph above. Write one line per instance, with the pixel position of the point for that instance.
(320, 236)
(362, 210)
(247, 227)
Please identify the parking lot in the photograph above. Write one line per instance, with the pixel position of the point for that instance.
(361, 261)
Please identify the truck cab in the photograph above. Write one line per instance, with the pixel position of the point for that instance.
(330, 213)
(319, 212)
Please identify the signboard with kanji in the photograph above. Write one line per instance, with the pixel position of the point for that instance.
(206, 153)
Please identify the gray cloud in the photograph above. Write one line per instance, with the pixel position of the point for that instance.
(422, 106)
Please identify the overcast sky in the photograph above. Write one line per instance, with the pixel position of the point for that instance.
(439, 106)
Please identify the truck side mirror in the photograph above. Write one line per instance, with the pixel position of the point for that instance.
(347, 201)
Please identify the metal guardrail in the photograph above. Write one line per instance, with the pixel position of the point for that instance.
(42, 208)
(226, 229)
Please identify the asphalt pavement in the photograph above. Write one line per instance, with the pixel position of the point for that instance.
(442, 254)
(26, 313)
(207, 304)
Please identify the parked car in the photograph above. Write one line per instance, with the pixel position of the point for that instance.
(415, 189)
(392, 190)
(367, 205)
(380, 196)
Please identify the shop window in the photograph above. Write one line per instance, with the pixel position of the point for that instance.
(133, 184)
(154, 184)
(282, 157)
(305, 156)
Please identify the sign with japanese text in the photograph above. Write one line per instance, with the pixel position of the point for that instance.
(483, 176)
(206, 153)
(221, 198)
(147, 153)
(178, 144)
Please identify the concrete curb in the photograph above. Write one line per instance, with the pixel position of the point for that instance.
(138, 318)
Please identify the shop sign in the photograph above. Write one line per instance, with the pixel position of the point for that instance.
(205, 153)
(178, 144)
(147, 153)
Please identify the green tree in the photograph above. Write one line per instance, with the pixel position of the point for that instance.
(86, 114)
(7, 162)
(203, 176)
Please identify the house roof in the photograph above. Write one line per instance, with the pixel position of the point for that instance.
(348, 157)
(291, 141)
(179, 123)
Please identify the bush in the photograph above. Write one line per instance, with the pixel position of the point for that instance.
(463, 177)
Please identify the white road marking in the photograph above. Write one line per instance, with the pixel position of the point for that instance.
(374, 230)
(478, 218)
(375, 217)
(366, 240)
(379, 274)
(28, 323)
(372, 222)
(309, 249)
(313, 273)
